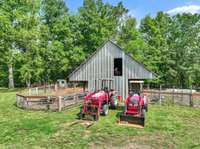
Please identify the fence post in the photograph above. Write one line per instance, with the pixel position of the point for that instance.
(45, 88)
(182, 94)
(74, 86)
(148, 87)
(148, 91)
(59, 103)
(36, 89)
(26, 104)
(29, 91)
(160, 94)
(173, 95)
(49, 87)
(191, 98)
(18, 100)
(56, 87)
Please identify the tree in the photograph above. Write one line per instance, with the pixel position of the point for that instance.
(58, 48)
(185, 42)
(40, 41)
(130, 39)
(173, 51)
(21, 35)
(12, 13)
(98, 22)
(6, 33)
(155, 32)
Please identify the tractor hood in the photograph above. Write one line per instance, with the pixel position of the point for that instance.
(98, 94)
(135, 97)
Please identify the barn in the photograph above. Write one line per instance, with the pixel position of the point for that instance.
(109, 66)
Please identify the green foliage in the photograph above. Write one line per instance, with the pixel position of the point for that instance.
(186, 45)
(155, 32)
(130, 39)
(173, 51)
(98, 23)
(56, 39)
(42, 42)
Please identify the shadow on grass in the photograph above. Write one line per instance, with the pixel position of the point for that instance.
(78, 116)
(121, 108)
(118, 114)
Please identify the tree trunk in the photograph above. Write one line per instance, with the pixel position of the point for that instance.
(10, 76)
(28, 83)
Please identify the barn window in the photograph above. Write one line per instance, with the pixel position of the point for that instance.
(118, 67)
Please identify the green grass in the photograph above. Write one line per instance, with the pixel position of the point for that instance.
(166, 127)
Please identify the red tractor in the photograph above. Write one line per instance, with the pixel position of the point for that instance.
(134, 110)
(98, 102)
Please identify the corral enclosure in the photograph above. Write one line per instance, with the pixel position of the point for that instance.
(53, 98)
(185, 97)
(49, 97)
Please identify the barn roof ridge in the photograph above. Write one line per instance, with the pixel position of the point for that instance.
(133, 58)
(99, 48)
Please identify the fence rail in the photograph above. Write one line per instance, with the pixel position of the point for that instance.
(55, 103)
(41, 90)
(189, 98)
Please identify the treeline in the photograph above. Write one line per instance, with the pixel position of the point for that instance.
(41, 41)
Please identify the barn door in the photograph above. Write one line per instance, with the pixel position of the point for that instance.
(107, 83)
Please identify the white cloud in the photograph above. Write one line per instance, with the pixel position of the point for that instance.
(185, 9)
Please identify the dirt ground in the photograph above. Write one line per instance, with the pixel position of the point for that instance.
(65, 91)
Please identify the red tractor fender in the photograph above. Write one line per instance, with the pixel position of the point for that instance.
(141, 101)
(126, 103)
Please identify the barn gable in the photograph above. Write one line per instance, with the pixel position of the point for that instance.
(101, 64)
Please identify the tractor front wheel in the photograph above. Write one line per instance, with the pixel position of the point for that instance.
(114, 102)
(96, 117)
(82, 116)
(146, 107)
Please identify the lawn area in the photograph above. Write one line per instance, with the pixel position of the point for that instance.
(166, 127)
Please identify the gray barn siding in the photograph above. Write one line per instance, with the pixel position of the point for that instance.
(101, 64)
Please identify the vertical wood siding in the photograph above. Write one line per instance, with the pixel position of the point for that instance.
(101, 66)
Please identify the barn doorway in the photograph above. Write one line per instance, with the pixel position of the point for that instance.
(107, 83)
(101, 84)
(118, 67)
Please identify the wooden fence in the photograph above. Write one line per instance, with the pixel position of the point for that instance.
(38, 91)
(189, 97)
(54, 103)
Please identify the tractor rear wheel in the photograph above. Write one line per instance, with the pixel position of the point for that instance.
(105, 109)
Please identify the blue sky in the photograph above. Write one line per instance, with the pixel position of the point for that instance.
(140, 8)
